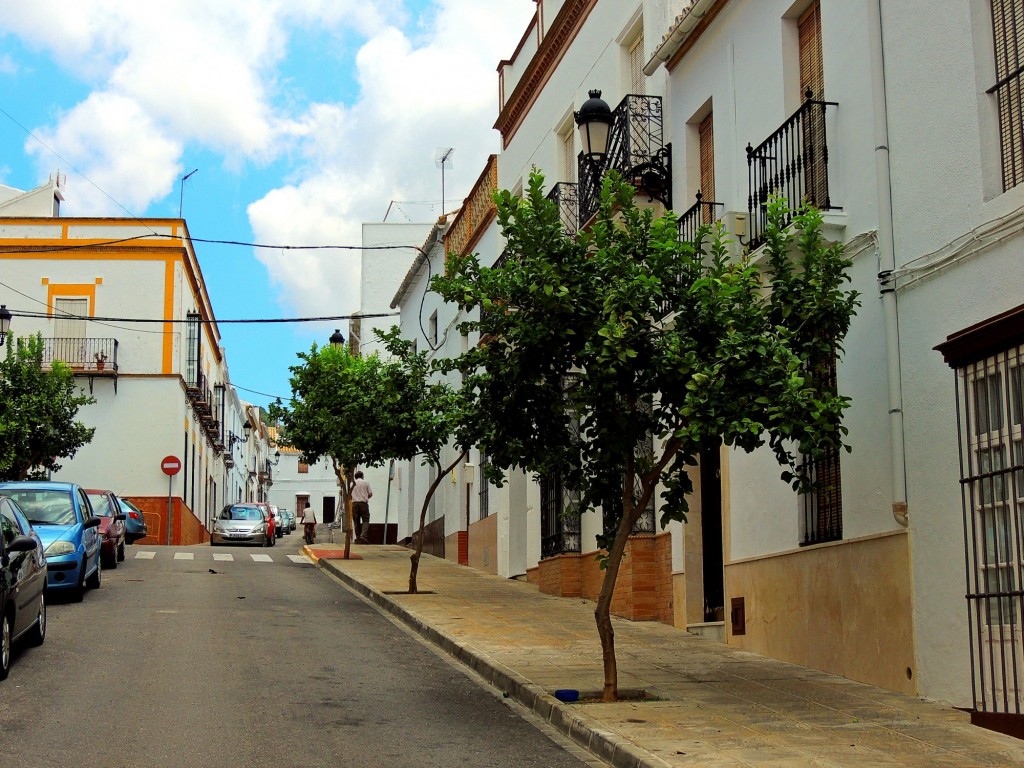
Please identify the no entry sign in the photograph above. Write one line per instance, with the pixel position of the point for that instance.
(171, 465)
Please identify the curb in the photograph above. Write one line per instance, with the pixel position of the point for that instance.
(582, 729)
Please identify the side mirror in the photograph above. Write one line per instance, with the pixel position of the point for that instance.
(22, 544)
(92, 522)
(120, 517)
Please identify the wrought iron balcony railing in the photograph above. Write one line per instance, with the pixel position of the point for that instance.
(793, 163)
(636, 149)
(565, 195)
(701, 213)
(92, 356)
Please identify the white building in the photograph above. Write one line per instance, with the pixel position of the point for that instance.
(913, 141)
(161, 383)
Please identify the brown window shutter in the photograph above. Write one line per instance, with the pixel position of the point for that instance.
(1008, 35)
(812, 71)
(637, 79)
(706, 134)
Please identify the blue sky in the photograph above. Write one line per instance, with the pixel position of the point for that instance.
(304, 119)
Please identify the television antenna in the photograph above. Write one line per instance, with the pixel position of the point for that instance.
(181, 194)
(443, 160)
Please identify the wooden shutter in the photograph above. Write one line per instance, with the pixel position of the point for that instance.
(812, 72)
(706, 135)
(568, 156)
(637, 78)
(1008, 35)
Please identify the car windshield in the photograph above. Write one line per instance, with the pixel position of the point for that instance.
(240, 513)
(127, 505)
(100, 504)
(44, 507)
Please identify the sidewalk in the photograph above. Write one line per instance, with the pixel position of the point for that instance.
(717, 706)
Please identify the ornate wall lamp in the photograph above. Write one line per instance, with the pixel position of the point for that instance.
(5, 323)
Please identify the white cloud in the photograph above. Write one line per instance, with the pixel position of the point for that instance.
(119, 150)
(437, 88)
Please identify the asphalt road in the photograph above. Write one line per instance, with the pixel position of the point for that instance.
(203, 662)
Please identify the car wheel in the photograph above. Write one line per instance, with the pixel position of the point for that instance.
(109, 562)
(37, 634)
(78, 593)
(120, 552)
(5, 646)
(94, 581)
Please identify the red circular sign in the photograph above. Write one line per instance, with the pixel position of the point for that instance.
(171, 465)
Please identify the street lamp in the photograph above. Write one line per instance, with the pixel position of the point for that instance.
(337, 339)
(5, 323)
(594, 121)
(277, 458)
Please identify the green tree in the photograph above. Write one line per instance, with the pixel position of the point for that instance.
(37, 412)
(579, 365)
(332, 413)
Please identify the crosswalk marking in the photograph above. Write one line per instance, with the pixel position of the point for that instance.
(223, 557)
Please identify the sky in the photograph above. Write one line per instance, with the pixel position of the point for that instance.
(301, 119)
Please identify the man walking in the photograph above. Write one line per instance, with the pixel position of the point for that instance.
(361, 495)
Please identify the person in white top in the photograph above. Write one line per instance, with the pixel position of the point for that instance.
(361, 495)
(309, 523)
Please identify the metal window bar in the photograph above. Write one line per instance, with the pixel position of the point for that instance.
(485, 487)
(636, 149)
(565, 196)
(990, 406)
(822, 507)
(193, 341)
(793, 163)
(559, 518)
(1007, 30)
(81, 354)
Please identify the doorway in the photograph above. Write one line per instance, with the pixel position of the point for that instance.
(711, 533)
(329, 509)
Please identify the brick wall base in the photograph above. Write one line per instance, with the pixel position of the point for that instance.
(643, 590)
(186, 528)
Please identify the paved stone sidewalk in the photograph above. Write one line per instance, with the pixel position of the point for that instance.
(716, 706)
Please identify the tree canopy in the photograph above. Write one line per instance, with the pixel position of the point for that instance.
(593, 344)
(38, 409)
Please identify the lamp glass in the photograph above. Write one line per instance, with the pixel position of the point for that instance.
(594, 138)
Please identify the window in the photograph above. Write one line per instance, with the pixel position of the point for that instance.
(1008, 34)
(69, 330)
(303, 468)
(193, 341)
(485, 487)
(568, 142)
(637, 78)
(812, 80)
(432, 329)
(706, 142)
(822, 507)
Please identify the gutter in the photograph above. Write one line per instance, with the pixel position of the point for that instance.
(675, 38)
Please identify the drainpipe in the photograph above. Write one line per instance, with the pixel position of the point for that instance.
(887, 267)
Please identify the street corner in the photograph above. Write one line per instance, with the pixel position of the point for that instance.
(318, 552)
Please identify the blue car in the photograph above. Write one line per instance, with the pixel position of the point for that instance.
(60, 513)
(134, 521)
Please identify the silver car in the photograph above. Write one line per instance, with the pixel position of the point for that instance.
(280, 525)
(240, 524)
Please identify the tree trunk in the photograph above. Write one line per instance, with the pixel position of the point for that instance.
(415, 564)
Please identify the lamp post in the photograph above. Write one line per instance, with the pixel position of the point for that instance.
(5, 323)
(337, 339)
(594, 121)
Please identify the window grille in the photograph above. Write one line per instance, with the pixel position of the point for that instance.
(1008, 36)
(559, 518)
(485, 487)
(990, 405)
(822, 506)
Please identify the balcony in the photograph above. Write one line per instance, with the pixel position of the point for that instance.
(792, 163)
(477, 212)
(85, 357)
(565, 196)
(636, 149)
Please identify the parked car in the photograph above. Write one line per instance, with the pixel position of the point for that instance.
(112, 527)
(289, 518)
(279, 525)
(134, 522)
(62, 516)
(268, 514)
(242, 523)
(22, 583)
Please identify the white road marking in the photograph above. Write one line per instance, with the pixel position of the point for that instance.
(300, 559)
(184, 555)
(262, 558)
(146, 554)
(223, 556)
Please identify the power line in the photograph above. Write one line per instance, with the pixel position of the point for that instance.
(267, 320)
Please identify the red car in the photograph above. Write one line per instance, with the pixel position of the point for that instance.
(268, 513)
(111, 528)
